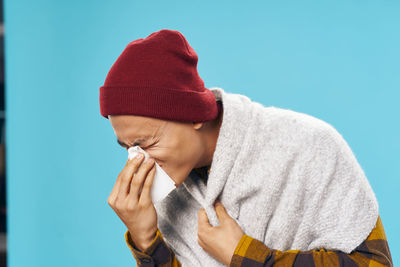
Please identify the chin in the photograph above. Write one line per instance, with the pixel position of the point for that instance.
(176, 177)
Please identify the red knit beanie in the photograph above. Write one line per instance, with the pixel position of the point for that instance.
(157, 77)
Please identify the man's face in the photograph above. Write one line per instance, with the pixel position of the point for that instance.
(175, 146)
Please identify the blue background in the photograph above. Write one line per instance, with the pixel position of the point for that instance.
(336, 60)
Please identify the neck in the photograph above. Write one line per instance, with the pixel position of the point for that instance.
(211, 137)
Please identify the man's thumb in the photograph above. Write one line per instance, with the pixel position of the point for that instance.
(203, 218)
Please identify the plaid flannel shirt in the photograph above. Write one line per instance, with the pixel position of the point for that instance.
(250, 252)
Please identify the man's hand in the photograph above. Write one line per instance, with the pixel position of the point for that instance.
(131, 200)
(219, 241)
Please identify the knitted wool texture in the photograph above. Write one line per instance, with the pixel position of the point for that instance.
(289, 180)
(157, 77)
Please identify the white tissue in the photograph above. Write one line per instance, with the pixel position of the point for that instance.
(162, 183)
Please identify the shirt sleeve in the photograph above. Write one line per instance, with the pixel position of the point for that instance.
(157, 254)
(374, 251)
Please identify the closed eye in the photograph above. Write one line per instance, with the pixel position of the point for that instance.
(142, 147)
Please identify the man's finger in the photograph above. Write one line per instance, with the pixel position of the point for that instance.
(145, 195)
(221, 212)
(126, 171)
(127, 175)
(138, 180)
(202, 218)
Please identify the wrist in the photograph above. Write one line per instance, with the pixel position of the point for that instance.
(143, 243)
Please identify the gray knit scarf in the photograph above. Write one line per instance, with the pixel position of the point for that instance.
(287, 178)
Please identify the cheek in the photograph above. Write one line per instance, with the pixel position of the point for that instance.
(173, 158)
(164, 155)
(160, 155)
(177, 151)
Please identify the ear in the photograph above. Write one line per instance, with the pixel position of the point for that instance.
(197, 125)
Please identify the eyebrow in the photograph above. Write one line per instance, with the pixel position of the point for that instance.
(136, 143)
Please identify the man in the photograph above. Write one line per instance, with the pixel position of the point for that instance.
(256, 186)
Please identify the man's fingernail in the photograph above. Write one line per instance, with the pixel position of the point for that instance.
(149, 160)
(139, 156)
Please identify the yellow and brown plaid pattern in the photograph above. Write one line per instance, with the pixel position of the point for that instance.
(250, 252)
(157, 254)
(373, 252)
